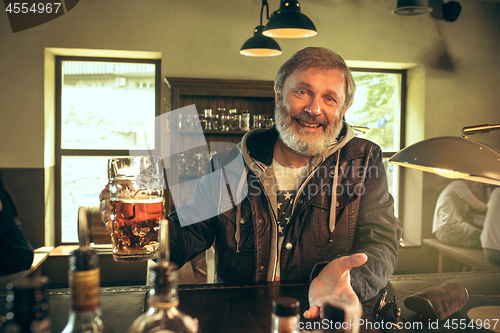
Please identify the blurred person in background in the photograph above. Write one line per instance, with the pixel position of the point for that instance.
(16, 252)
(450, 225)
(490, 236)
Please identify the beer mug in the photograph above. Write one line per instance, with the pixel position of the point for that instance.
(137, 196)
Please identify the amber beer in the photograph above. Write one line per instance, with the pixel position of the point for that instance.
(135, 228)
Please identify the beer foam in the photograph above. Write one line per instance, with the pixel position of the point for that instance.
(131, 201)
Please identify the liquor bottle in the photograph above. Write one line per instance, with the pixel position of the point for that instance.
(85, 314)
(286, 315)
(162, 316)
(28, 307)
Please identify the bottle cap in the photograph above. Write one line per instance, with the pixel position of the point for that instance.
(83, 260)
(286, 306)
(164, 277)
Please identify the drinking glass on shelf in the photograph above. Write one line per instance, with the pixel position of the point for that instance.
(224, 119)
(268, 121)
(207, 119)
(232, 120)
(245, 121)
(237, 122)
(187, 121)
(257, 121)
(202, 161)
(182, 164)
(216, 122)
(137, 189)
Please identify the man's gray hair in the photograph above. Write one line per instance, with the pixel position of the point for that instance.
(321, 58)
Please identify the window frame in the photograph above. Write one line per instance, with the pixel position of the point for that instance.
(402, 124)
(60, 152)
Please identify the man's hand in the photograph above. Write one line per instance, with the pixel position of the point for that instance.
(105, 207)
(334, 282)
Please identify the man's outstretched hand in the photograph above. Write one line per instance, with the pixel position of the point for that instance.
(334, 282)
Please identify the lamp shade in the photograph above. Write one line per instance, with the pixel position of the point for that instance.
(412, 7)
(289, 22)
(453, 157)
(260, 45)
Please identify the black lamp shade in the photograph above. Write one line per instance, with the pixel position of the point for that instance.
(289, 22)
(412, 7)
(453, 157)
(260, 46)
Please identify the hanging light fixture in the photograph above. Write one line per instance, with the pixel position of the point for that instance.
(289, 22)
(412, 7)
(260, 45)
(454, 157)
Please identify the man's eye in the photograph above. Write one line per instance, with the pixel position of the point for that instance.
(330, 101)
(301, 92)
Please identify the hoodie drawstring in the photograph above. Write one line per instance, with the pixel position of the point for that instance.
(333, 204)
(237, 234)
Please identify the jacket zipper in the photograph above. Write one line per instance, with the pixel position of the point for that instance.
(274, 226)
(301, 188)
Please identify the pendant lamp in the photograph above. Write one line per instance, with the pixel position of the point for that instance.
(260, 45)
(412, 7)
(454, 157)
(289, 22)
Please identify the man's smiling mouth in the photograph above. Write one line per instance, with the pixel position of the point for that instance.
(308, 125)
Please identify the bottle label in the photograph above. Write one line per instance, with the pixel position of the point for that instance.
(85, 289)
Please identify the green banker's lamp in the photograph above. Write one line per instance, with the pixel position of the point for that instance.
(454, 157)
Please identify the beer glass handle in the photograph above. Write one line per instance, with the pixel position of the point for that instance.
(164, 250)
(83, 228)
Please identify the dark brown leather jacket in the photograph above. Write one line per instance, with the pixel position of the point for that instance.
(364, 221)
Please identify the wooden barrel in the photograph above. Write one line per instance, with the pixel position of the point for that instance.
(90, 225)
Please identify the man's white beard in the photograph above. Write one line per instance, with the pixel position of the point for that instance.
(306, 147)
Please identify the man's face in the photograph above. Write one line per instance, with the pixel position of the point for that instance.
(310, 109)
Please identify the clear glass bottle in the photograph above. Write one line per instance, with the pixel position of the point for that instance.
(245, 121)
(162, 316)
(28, 307)
(85, 314)
(286, 315)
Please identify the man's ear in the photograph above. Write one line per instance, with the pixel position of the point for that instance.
(343, 112)
(277, 95)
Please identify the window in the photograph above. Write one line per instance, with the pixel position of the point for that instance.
(104, 107)
(379, 106)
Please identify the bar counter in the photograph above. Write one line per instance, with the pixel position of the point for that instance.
(242, 309)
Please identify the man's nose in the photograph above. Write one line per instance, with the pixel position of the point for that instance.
(315, 107)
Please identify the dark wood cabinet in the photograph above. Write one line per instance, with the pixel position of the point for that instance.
(257, 97)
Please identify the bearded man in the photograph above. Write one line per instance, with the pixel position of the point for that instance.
(310, 201)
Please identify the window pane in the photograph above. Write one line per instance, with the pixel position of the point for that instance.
(392, 172)
(377, 105)
(107, 105)
(82, 179)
